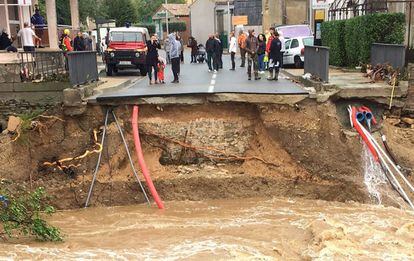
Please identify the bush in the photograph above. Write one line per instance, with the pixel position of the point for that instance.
(23, 215)
(150, 27)
(333, 36)
(350, 40)
(175, 27)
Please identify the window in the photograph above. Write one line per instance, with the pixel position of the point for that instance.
(295, 43)
(287, 44)
(126, 37)
(307, 41)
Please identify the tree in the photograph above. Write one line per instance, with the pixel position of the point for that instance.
(23, 215)
(121, 10)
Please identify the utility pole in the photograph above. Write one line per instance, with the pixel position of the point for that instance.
(229, 20)
(166, 18)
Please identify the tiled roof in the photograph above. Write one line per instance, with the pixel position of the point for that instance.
(177, 9)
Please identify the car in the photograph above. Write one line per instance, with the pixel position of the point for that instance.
(126, 49)
(299, 30)
(295, 50)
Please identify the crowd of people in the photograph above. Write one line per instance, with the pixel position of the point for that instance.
(174, 49)
(263, 53)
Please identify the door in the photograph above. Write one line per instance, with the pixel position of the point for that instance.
(287, 54)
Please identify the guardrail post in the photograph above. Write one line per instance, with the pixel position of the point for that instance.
(83, 67)
(317, 62)
(392, 54)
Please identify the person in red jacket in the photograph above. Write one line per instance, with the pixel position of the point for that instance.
(272, 31)
(65, 42)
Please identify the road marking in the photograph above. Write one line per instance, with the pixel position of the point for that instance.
(212, 83)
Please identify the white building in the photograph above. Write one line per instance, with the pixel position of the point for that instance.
(210, 16)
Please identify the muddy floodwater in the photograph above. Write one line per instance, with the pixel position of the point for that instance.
(242, 229)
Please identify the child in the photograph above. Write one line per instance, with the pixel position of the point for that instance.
(161, 67)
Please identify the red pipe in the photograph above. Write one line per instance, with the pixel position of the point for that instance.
(141, 160)
(364, 137)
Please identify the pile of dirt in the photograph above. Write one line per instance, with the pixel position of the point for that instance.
(263, 150)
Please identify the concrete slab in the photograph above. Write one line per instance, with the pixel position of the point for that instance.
(196, 80)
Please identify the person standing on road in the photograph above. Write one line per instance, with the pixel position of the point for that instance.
(272, 31)
(167, 48)
(182, 47)
(242, 45)
(27, 35)
(275, 58)
(192, 43)
(212, 50)
(152, 58)
(261, 52)
(282, 40)
(175, 56)
(220, 51)
(79, 42)
(252, 46)
(233, 50)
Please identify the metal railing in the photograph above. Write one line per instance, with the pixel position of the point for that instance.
(345, 9)
(317, 62)
(392, 54)
(42, 66)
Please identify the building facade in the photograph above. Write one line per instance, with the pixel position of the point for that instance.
(14, 13)
(174, 13)
(210, 16)
(280, 12)
(250, 8)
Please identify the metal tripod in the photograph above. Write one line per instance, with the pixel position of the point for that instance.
(110, 110)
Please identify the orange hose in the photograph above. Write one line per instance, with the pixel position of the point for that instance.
(363, 136)
(141, 160)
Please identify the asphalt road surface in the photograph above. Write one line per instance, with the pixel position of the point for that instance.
(195, 79)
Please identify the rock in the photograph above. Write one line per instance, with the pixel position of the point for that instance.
(13, 123)
(408, 120)
(73, 97)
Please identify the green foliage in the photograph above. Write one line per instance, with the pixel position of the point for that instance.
(23, 216)
(333, 36)
(150, 27)
(26, 125)
(175, 27)
(121, 10)
(350, 41)
(134, 11)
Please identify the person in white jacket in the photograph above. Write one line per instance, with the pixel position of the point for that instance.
(233, 50)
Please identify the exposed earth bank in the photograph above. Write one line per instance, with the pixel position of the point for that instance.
(199, 152)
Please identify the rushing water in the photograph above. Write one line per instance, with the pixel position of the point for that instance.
(242, 229)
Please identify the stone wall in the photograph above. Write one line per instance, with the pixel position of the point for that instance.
(21, 98)
(229, 135)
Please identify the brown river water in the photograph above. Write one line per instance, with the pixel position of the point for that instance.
(240, 229)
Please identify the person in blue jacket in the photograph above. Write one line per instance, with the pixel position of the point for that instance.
(39, 23)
